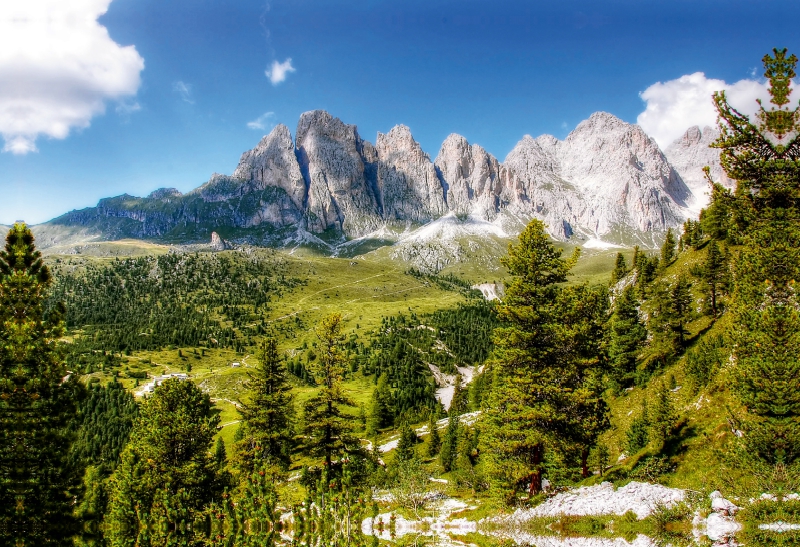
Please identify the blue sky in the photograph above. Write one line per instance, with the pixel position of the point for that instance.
(175, 84)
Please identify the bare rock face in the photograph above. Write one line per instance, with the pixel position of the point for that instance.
(217, 243)
(407, 180)
(470, 177)
(538, 189)
(688, 155)
(340, 169)
(623, 175)
(273, 163)
(606, 174)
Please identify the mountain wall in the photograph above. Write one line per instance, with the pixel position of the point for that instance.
(607, 180)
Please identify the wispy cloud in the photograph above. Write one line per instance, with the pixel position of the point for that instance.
(184, 91)
(58, 66)
(125, 108)
(279, 71)
(264, 121)
(674, 106)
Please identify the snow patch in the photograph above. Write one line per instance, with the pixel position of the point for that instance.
(595, 243)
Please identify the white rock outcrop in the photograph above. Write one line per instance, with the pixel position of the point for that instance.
(472, 179)
(603, 499)
(689, 155)
(340, 171)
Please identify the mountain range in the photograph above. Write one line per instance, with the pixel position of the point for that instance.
(607, 180)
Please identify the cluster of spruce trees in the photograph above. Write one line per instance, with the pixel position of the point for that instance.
(177, 299)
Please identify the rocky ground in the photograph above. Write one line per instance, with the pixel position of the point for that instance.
(640, 498)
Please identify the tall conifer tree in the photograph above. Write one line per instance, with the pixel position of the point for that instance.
(328, 431)
(167, 474)
(668, 249)
(627, 335)
(765, 218)
(715, 272)
(546, 363)
(37, 401)
(266, 429)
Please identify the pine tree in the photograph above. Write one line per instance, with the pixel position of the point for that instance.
(220, 454)
(266, 429)
(448, 452)
(435, 441)
(662, 417)
(765, 219)
(668, 249)
(545, 367)
(620, 269)
(627, 335)
(406, 444)
(681, 309)
(714, 274)
(328, 432)
(167, 473)
(38, 483)
(671, 310)
(715, 219)
(460, 402)
(381, 406)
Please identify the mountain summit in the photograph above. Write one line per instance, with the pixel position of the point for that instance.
(607, 180)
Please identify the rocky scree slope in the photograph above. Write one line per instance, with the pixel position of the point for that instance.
(605, 179)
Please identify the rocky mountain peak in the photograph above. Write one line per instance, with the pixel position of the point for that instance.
(408, 183)
(273, 163)
(470, 177)
(607, 177)
(340, 170)
(688, 155)
(398, 140)
(164, 193)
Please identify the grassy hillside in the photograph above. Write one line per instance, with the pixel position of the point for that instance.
(369, 291)
(696, 453)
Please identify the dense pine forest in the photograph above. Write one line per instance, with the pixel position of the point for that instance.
(681, 370)
(178, 299)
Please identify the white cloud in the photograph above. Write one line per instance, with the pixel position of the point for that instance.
(279, 71)
(184, 90)
(674, 106)
(264, 121)
(125, 108)
(58, 67)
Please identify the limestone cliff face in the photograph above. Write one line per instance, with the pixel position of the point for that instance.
(273, 163)
(605, 178)
(408, 183)
(537, 186)
(623, 175)
(688, 155)
(340, 170)
(474, 181)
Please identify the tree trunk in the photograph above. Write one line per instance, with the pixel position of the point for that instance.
(536, 476)
(584, 465)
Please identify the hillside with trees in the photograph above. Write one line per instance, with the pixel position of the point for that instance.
(680, 370)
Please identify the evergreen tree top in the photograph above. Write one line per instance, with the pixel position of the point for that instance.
(20, 254)
(536, 260)
(761, 155)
